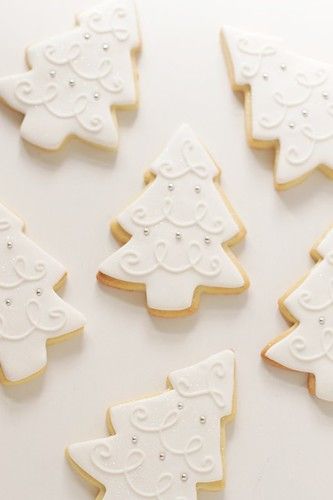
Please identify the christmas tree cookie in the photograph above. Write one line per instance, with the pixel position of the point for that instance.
(288, 103)
(78, 79)
(308, 345)
(177, 234)
(165, 447)
(32, 315)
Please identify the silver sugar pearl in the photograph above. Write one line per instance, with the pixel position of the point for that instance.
(8, 302)
(71, 82)
(134, 439)
(197, 189)
(265, 76)
(291, 125)
(96, 96)
(202, 419)
(105, 46)
(87, 36)
(146, 231)
(52, 73)
(9, 244)
(171, 187)
(184, 477)
(325, 95)
(162, 456)
(322, 320)
(178, 236)
(180, 406)
(283, 67)
(39, 292)
(305, 112)
(207, 240)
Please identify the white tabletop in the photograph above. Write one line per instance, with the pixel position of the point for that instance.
(278, 446)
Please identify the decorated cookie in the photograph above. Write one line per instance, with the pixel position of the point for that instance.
(288, 102)
(177, 235)
(78, 79)
(308, 345)
(165, 447)
(32, 315)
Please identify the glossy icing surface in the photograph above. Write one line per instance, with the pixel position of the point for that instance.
(163, 446)
(178, 226)
(76, 79)
(30, 311)
(291, 101)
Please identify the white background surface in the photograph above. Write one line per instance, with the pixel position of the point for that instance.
(279, 446)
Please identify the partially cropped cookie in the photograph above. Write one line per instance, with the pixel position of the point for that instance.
(32, 315)
(308, 345)
(168, 446)
(177, 234)
(78, 79)
(288, 103)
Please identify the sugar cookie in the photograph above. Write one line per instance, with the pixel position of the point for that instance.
(308, 345)
(77, 78)
(288, 103)
(168, 446)
(177, 234)
(32, 315)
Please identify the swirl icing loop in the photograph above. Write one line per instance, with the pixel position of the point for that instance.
(74, 52)
(33, 313)
(20, 269)
(195, 444)
(115, 25)
(131, 259)
(24, 92)
(25, 89)
(140, 415)
(169, 171)
(101, 454)
(299, 347)
(318, 78)
(216, 372)
(306, 300)
(310, 83)
(105, 68)
(266, 122)
(294, 156)
(57, 316)
(244, 46)
(140, 217)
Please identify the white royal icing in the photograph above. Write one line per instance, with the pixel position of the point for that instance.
(291, 99)
(178, 225)
(164, 446)
(30, 311)
(309, 346)
(76, 78)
